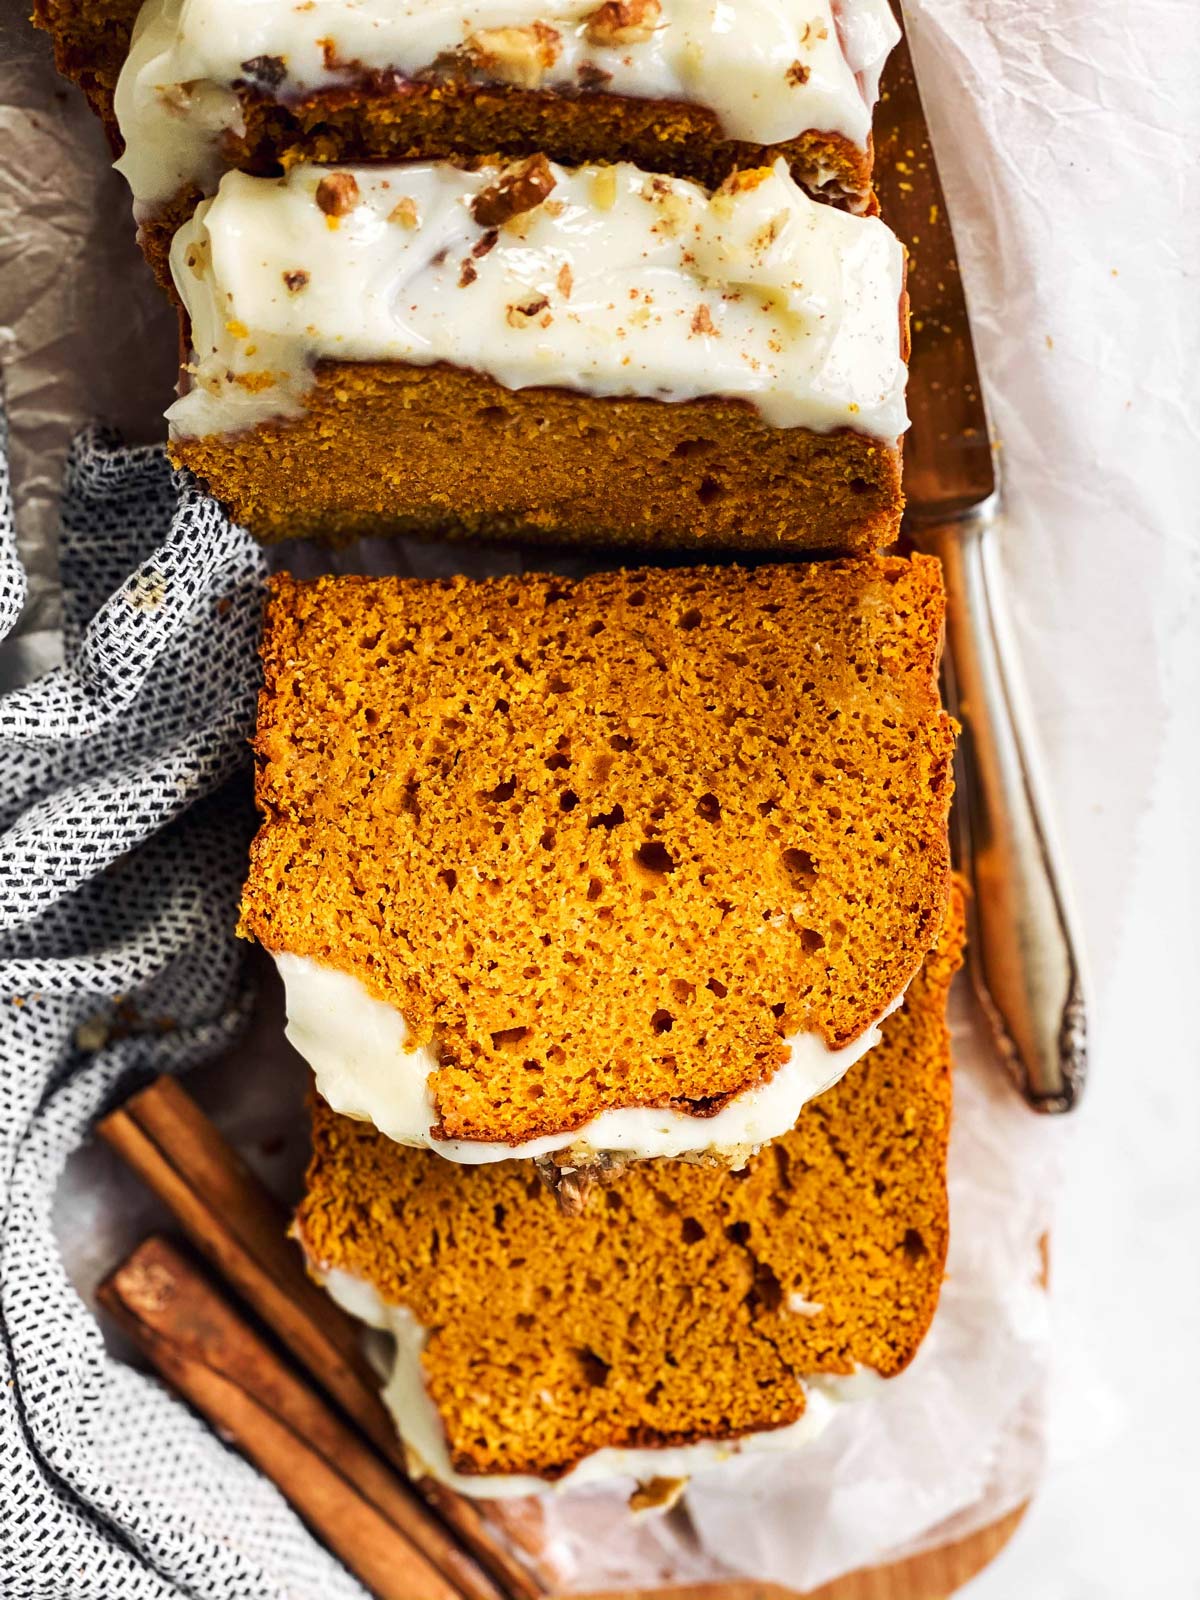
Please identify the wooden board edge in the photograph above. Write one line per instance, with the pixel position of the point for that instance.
(932, 1575)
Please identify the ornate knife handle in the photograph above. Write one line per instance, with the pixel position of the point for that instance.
(1023, 956)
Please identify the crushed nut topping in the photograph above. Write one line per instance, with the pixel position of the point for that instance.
(467, 274)
(623, 22)
(571, 1175)
(673, 210)
(488, 242)
(265, 72)
(405, 212)
(797, 74)
(520, 316)
(337, 194)
(565, 280)
(519, 189)
(660, 1494)
(591, 76)
(518, 56)
(702, 322)
(295, 281)
(574, 1192)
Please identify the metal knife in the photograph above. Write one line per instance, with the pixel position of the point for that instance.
(1023, 955)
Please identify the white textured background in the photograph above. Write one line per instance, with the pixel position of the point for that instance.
(1067, 133)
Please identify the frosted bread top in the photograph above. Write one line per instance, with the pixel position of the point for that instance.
(768, 70)
(604, 280)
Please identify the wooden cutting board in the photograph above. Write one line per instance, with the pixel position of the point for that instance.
(935, 1575)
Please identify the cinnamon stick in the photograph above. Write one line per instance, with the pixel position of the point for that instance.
(214, 1359)
(238, 1225)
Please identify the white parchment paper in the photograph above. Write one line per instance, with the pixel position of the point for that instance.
(1065, 132)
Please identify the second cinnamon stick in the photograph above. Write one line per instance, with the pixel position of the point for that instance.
(207, 1352)
(239, 1226)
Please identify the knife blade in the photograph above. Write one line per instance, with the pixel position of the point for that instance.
(1023, 954)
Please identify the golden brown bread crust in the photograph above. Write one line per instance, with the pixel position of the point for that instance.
(661, 1316)
(384, 447)
(421, 120)
(608, 842)
(390, 118)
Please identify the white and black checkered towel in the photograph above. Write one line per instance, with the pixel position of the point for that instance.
(124, 817)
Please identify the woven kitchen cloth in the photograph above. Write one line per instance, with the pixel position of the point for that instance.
(124, 821)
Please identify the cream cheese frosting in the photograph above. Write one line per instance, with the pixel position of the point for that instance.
(615, 282)
(768, 69)
(359, 1050)
(420, 1427)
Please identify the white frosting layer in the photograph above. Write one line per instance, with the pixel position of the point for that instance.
(419, 1425)
(358, 1048)
(619, 284)
(768, 69)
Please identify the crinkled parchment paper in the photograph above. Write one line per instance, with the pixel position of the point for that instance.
(1050, 116)
(84, 336)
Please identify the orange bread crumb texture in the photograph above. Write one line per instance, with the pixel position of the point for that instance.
(685, 1303)
(607, 842)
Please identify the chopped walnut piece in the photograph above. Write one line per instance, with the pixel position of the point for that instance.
(405, 212)
(198, 257)
(518, 56)
(565, 280)
(520, 316)
(702, 322)
(576, 1171)
(591, 76)
(623, 22)
(296, 281)
(337, 194)
(265, 72)
(486, 243)
(660, 1494)
(574, 1191)
(797, 74)
(467, 274)
(519, 189)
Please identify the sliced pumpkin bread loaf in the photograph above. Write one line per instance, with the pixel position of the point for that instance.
(687, 1306)
(635, 863)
